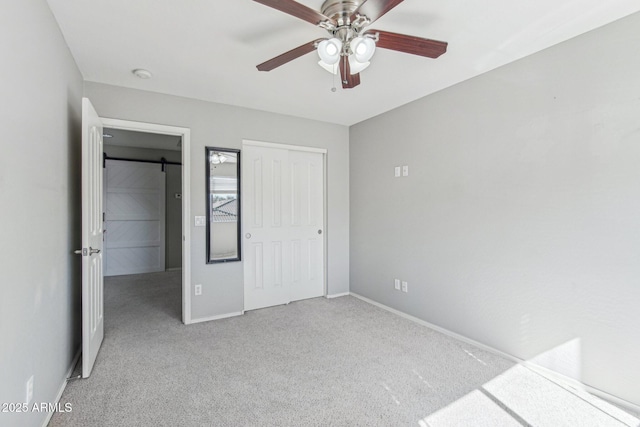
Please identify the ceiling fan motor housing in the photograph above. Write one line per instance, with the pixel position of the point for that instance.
(340, 10)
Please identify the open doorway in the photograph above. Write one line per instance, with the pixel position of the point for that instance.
(146, 198)
(142, 205)
(142, 202)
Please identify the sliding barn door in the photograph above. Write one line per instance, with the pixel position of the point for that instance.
(134, 218)
(283, 211)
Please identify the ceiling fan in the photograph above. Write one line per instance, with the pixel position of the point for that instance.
(351, 44)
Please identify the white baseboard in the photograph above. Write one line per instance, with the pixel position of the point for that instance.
(344, 294)
(74, 362)
(218, 317)
(540, 369)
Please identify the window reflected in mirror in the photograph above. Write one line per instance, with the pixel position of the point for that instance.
(223, 204)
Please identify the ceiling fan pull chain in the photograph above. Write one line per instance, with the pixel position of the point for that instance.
(335, 69)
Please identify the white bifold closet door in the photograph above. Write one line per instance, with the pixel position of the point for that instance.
(283, 214)
(134, 218)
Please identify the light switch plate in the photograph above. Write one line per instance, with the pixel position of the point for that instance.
(397, 171)
(396, 284)
(200, 221)
(405, 287)
(405, 170)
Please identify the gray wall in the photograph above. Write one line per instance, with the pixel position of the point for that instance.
(220, 125)
(173, 219)
(41, 91)
(518, 225)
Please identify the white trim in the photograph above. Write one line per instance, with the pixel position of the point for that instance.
(437, 328)
(344, 294)
(74, 362)
(570, 382)
(218, 317)
(185, 134)
(284, 146)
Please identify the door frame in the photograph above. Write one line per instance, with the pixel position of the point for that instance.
(308, 149)
(185, 134)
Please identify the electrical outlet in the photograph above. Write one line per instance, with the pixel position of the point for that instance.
(200, 221)
(405, 171)
(397, 172)
(396, 284)
(405, 287)
(198, 289)
(29, 388)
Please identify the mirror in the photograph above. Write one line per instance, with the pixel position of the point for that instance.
(223, 204)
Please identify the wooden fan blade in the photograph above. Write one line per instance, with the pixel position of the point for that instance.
(298, 10)
(348, 80)
(410, 44)
(374, 9)
(288, 56)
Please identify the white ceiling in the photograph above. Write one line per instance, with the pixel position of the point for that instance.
(208, 49)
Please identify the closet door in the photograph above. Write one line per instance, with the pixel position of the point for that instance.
(283, 212)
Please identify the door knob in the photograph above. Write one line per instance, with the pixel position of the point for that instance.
(319, 231)
(86, 252)
(248, 235)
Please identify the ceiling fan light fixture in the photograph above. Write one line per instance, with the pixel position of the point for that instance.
(356, 66)
(218, 158)
(329, 50)
(333, 69)
(363, 48)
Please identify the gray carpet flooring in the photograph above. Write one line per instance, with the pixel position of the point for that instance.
(318, 362)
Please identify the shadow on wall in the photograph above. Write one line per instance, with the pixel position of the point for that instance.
(74, 181)
(527, 396)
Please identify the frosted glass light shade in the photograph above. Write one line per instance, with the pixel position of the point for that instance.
(363, 48)
(356, 66)
(217, 158)
(329, 51)
(333, 69)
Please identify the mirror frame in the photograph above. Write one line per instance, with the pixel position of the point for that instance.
(208, 151)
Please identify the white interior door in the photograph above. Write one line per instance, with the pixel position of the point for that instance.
(283, 214)
(135, 217)
(92, 235)
(306, 191)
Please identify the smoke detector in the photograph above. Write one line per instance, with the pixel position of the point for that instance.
(141, 73)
